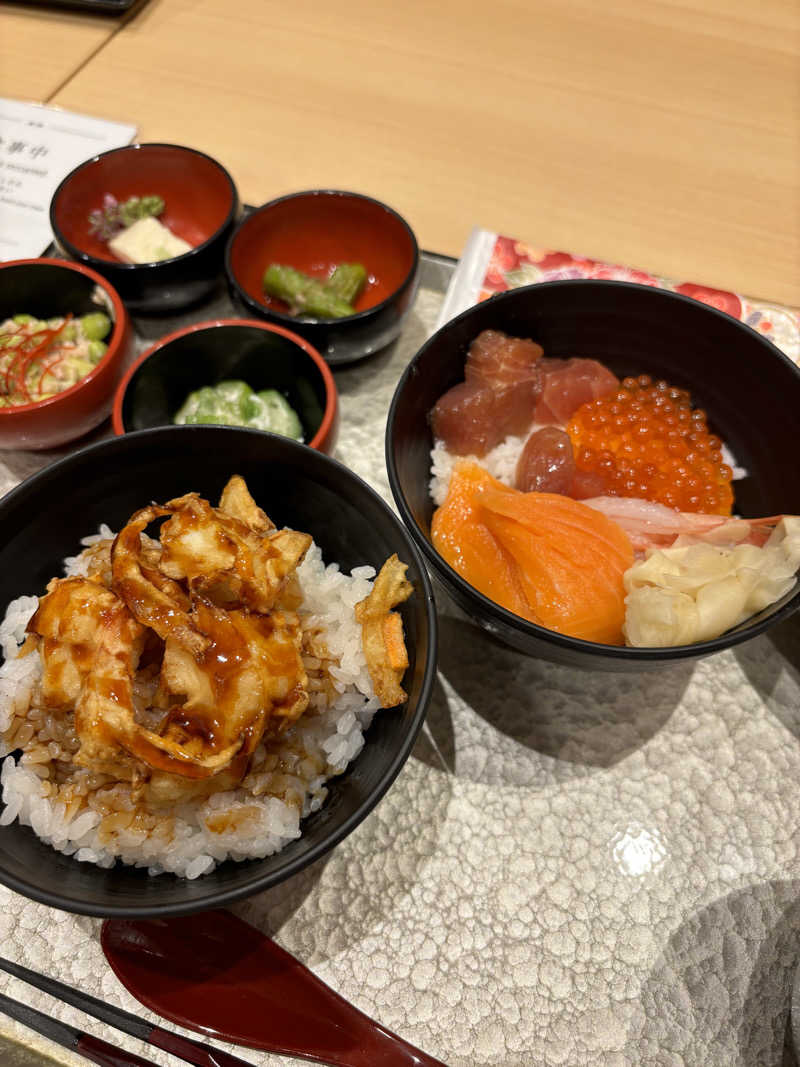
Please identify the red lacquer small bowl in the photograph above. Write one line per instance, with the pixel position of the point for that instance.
(49, 288)
(314, 232)
(201, 206)
(261, 354)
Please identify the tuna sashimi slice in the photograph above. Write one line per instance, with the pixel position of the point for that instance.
(568, 383)
(495, 359)
(546, 463)
(465, 419)
(509, 366)
(471, 419)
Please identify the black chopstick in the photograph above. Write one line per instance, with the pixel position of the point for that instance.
(196, 1052)
(69, 1037)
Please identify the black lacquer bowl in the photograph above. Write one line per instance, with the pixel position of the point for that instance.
(313, 232)
(41, 522)
(749, 389)
(206, 353)
(201, 206)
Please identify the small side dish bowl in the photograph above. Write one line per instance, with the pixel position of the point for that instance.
(54, 288)
(313, 232)
(43, 520)
(749, 389)
(201, 207)
(260, 354)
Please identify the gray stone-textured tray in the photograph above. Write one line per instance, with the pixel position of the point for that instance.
(572, 869)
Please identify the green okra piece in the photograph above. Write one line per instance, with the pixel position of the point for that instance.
(347, 280)
(304, 295)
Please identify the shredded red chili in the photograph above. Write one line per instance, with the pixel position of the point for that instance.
(15, 379)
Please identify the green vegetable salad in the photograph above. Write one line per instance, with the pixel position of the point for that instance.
(42, 357)
(234, 403)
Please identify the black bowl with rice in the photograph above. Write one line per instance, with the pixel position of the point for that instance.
(748, 388)
(74, 837)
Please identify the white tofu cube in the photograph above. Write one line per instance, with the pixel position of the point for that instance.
(147, 241)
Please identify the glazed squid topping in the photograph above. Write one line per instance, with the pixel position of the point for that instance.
(206, 607)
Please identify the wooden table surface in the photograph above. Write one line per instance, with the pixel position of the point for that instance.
(662, 135)
(41, 47)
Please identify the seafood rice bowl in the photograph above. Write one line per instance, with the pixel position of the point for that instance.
(595, 471)
(182, 699)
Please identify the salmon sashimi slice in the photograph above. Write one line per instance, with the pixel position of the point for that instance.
(548, 558)
(466, 543)
(561, 518)
(594, 611)
(571, 566)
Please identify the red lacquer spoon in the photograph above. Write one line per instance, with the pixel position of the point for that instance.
(215, 973)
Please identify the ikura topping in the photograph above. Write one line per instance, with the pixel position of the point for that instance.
(39, 358)
(646, 440)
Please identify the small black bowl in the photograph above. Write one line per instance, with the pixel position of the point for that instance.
(749, 389)
(202, 205)
(313, 232)
(41, 522)
(262, 355)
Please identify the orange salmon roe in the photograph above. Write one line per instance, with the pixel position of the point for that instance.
(647, 441)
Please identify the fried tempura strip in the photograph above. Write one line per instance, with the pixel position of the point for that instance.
(104, 717)
(91, 644)
(223, 558)
(382, 631)
(239, 504)
(154, 605)
(76, 617)
(227, 666)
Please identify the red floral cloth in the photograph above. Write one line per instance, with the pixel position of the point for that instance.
(513, 263)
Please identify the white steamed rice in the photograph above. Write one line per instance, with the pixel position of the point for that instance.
(501, 463)
(94, 818)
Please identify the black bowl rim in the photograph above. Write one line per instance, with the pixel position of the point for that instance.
(255, 883)
(120, 325)
(530, 630)
(359, 316)
(101, 264)
(332, 401)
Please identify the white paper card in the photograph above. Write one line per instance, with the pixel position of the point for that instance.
(465, 285)
(39, 146)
